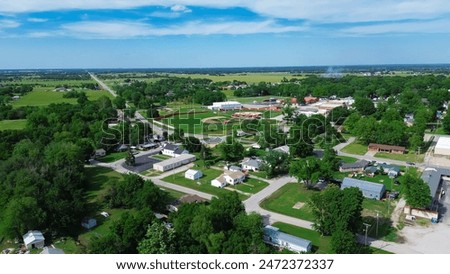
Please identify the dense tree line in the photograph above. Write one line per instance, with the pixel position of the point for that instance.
(221, 227)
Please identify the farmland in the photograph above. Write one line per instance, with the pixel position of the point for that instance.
(43, 97)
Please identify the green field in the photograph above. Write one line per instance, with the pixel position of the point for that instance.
(355, 148)
(346, 159)
(409, 157)
(250, 78)
(251, 185)
(13, 124)
(112, 157)
(284, 199)
(43, 97)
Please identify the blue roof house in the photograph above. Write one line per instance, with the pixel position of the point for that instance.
(275, 237)
(369, 190)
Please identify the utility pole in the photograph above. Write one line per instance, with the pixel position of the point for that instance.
(366, 230)
(377, 222)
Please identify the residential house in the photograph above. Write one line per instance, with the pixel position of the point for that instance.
(252, 164)
(173, 150)
(369, 190)
(434, 178)
(193, 174)
(275, 237)
(387, 148)
(34, 239)
(230, 178)
(232, 168)
(284, 149)
(173, 163)
(186, 199)
(390, 170)
(371, 171)
(89, 223)
(358, 166)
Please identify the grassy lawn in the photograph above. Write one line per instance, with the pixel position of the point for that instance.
(260, 174)
(115, 156)
(409, 157)
(283, 200)
(321, 244)
(46, 96)
(251, 185)
(346, 159)
(13, 124)
(161, 157)
(100, 181)
(69, 245)
(204, 184)
(250, 78)
(355, 148)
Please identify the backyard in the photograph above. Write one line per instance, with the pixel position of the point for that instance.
(355, 148)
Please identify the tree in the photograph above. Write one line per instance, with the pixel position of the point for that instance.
(120, 102)
(417, 192)
(364, 106)
(335, 209)
(344, 242)
(21, 215)
(177, 135)
(275, 163)
(192, 144)
(231, 150)
(446, 124)
(158, 240)
(205, 154)
(338, 115)
(299, 143)
(224, 209)
(271, 136)
(130, 160)
(306, 171)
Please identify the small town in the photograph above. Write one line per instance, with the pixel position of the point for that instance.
(292, 131)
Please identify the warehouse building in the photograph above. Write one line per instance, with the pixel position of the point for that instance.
(173, 163)
(443, 146)
(369, 190)
(230, 105)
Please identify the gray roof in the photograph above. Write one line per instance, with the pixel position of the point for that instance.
(284, 149)
(359, 164)
(51, 250)
(253, 163)
(371, 169)
(368, 186)
(171, 147)
(275, 233)
(432, 177)
(179, 150)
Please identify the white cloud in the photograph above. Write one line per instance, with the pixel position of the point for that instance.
(125, 29)
(180, 9)
(317, 10)
(163, 14)
(433, 26)
(37, 20)
(8, 24)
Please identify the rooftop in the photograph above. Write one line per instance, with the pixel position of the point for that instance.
(432, 177)
(443, 142)
(387, 147)
(369, 186)
(176, 160)
(275, 233)
(359, 164)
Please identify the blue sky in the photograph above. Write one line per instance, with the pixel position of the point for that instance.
(212, 33)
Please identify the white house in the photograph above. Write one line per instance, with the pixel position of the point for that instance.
(173, 163)
(232, 168)
(173, 150)
(193, 174)
(219, 182)
(284, 149)
(252, 164)
(230, 105)
(34, 239)
(275, 237)
(89, 223)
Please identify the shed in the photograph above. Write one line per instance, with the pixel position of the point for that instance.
(369, 190)
(219, 182)
(89, 223)
(34, 239)
(275, 237)
(192, 174)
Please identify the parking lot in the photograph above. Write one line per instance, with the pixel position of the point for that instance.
(142, 163)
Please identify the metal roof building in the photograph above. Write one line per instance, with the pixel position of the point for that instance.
(274, 236)
(369, 190)
(173, 163)
(433, 177)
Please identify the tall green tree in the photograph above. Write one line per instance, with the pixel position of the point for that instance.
(417, 192)
(231, 150)
(158, 240)
(275, 163)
